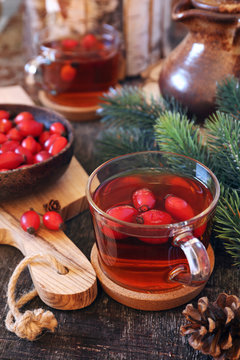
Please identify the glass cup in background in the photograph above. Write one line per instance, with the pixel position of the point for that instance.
(75, 70)
(149, 257)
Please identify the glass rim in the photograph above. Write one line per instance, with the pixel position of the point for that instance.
(173, 226)
(107, 27)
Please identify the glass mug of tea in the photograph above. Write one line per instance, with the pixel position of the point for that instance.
(152, 214)
(77, 68)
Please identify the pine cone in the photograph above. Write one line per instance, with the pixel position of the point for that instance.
(214, 327)
(52, 205)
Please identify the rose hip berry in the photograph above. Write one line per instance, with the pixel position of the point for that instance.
(53, 220)
(89, 41)
(143, 199)
(30, 221)
(57, 145)
(178, 208)
(154, 217)
(4, 114)
(24, 115)
(5, 125)
(68, 73)
(10, 160)
(69, 44)
(122, 212)
(57, 128)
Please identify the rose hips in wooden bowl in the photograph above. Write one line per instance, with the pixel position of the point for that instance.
(31, 176)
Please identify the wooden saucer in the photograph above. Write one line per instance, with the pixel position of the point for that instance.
(146, 301)
(70, 112)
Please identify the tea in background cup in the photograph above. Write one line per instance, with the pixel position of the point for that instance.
(76, 69)
(152, 214)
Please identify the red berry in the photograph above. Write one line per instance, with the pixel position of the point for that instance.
(30, 221)
(44, 136)
(26, 153)
(57, 128)
(41, 156)
(68, 73)
(154, 217)
(178, 208)
(58, 145)
(5, 125)
(25, 115)
(143, 199)
(4, 114)
(69, 44)
(9, 145)
(30, 127)
(122, 212)
(31, 144)
(10, 160)
(89, 41)
(3, 138)
(52, 220)
(14, 134)
(50, 141)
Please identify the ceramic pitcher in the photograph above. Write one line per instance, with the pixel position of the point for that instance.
(209, 53)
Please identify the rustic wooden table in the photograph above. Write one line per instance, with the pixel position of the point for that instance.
(105, 329)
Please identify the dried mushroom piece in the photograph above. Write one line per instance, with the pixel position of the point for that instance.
(214, 328)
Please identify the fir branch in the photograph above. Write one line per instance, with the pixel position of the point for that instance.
(175, 133)
(227, 223)
(129, 107)
(223, 140)
(228, 96)
(117, 141)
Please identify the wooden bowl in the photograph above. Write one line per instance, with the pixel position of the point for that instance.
(20, 182)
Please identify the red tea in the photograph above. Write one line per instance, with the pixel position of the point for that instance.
(80, 71)
(141, 259)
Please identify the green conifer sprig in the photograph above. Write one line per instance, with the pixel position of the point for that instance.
(227, 223)
(228, 96)
(129, 107)
(223, 141)
(176, 133)
(117, 141)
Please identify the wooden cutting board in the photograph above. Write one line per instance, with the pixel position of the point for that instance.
(77, 288)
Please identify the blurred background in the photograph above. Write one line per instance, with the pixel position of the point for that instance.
(145, 27)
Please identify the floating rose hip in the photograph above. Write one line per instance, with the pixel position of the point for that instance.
(154, 217)
(178, 208)
(122, 212)
(143, 199)
(68, 73)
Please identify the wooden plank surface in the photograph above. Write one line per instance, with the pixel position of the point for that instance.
(105, 330)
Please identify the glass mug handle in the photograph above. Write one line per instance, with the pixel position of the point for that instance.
(198, 261)
(33, 73)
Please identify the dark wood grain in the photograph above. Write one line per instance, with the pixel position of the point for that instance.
(106, 330)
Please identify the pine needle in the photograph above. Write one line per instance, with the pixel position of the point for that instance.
(227, 225)
(175, 133)
(119, 141)
(223, 139)
(228, 96)
(129, 107)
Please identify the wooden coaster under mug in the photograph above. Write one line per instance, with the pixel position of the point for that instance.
(147, 301)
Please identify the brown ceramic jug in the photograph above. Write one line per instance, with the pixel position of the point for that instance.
(209, 53)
